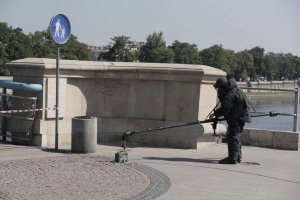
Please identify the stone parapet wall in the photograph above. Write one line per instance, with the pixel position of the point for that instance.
(272, 139)
(124, 97)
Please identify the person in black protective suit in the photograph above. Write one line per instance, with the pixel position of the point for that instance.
(234, 108)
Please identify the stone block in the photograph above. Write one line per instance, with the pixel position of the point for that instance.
(182, 103)
(44, 140)
(147, 100)
(76, 99)
(112, 125)
(262, 138)
(107, 97)
(286, 140)
(161, 140)
(64, 127)
(105, 137)
(206, 105)
(51, 97)
(144, 138)
(63, 140)
(184, 131)
(141, 124)
(117, 100)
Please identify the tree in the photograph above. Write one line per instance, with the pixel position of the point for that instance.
(122, 50)
(297, 64)
(287, 66)
(218, 57)
(160, 55)
(155, 50)
(18, 45)
(5, 37)
(3, 57)
(74, 50)
(42, 45)
(14, 44)
(155, 40)
(271, 67)
(258, 60)
(185, 53)
(245, 65)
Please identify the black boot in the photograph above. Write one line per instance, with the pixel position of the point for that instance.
(227, 160)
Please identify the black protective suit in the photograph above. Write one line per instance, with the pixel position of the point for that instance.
(234, 108)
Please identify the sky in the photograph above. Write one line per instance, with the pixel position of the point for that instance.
(236, 24)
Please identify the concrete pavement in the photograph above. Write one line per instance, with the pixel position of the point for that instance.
(195, 174)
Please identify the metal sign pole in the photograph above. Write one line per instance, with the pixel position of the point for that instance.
(296, 110)
(60, 30)
(57, 99)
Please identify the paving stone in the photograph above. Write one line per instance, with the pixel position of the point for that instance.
(78, 177)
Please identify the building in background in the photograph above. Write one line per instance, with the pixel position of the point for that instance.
(97, 51)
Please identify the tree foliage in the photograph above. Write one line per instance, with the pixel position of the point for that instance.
(42, 45)
(245, 64)
(185, 53)
(218, 57)
(14, 44)
(258, 60)
(74, 50)
(155, 50)
(122, 49)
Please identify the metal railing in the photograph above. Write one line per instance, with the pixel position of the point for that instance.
(18, 126)
(296, 102)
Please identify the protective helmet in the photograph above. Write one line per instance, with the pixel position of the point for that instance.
(231, 83)
(221, 82)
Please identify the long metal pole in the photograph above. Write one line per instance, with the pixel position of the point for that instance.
(296, 110)
(57, 99)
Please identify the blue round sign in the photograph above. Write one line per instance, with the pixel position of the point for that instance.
(60, 29)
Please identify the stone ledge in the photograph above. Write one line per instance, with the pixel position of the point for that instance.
(126, 70)
(271, 139)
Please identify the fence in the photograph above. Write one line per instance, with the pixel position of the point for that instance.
(17, 125)
(295, 115)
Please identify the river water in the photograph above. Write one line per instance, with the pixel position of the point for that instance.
(281, 104)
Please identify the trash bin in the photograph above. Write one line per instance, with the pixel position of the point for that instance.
(84, 134)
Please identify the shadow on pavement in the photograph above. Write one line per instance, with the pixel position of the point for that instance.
(208, 160)
(51, 150)
(6, 145)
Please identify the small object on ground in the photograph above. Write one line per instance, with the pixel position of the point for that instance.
(121, 156)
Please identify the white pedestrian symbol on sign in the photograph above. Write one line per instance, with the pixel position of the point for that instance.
(57, 28)
(63, 31)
